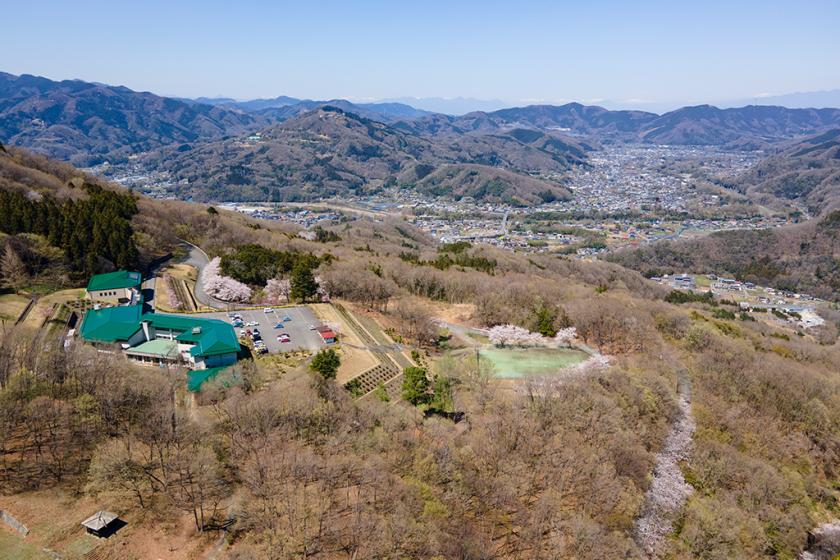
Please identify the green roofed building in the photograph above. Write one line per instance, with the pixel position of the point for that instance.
(121, 287)
(162, 339)
(112, 325)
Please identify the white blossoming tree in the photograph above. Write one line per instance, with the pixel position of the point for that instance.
(174, 301)
(565, 336)
(512, 335)
(278, 290)
(223, 288)
(323, 291)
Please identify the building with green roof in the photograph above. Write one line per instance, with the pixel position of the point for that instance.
(111, 325)
(162, 339)
(121, 287)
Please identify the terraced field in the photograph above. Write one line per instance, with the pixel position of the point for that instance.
(391, 360)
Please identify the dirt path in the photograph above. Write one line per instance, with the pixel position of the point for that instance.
(823, 542)
(669, 490)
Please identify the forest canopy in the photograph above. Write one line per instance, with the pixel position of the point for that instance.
(92, 227)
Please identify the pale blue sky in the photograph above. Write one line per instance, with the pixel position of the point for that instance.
(522, 51)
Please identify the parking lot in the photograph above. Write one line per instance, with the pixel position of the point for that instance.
(297, 328)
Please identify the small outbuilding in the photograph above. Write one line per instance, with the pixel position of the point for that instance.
(327, 334)
(103, 524)
(119, 288)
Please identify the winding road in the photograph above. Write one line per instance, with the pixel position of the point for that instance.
(198, 258)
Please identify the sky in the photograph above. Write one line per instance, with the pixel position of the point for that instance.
(631, 52)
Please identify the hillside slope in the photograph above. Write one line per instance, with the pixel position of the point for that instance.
(85, 122)
(807, 171)
(328, 152)
(801, 258)
(454, 465)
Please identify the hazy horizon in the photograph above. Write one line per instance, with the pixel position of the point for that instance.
(653, 55)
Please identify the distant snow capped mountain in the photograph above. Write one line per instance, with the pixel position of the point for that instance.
(800, 100)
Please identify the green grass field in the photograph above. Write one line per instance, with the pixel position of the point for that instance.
(512, 363)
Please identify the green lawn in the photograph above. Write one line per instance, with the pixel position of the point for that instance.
(511, 363)
(702, 281)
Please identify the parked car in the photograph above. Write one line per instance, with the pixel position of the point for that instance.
(268, 310)
(253, 323)
(256, 337)
(313, 327)
(286, 318)
(279, 325)
(248, 332)
(284, 338)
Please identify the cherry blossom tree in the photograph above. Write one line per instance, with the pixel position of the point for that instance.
(512, 335)
(174, 301)
(323, 292)
(565, 336)
(223, 288)
(278, 289)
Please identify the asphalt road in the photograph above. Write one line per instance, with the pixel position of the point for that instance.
(197, 258)
(297, 328)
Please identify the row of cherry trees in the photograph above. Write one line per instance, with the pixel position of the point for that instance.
(221, 287)
(513, 335)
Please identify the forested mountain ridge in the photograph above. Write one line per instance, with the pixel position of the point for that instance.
(518, 152)
(328, 151)
(807, 171)
(756, 124)
(86, 123)
(752, 126)
(798, 258)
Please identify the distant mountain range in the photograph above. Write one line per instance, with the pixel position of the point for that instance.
(84, 122)
(510, 154)
(799, 100)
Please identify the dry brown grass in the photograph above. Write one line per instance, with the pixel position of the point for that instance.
(43, 308)
(354, 358)
(11, 306)
(53, 517)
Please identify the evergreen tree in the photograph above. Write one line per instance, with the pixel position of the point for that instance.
(326, 363)
(544, 319)
(415, 386)
(304, 286)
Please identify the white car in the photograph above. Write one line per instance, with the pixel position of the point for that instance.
(312, 327)
(253, 323)
(268, 310)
